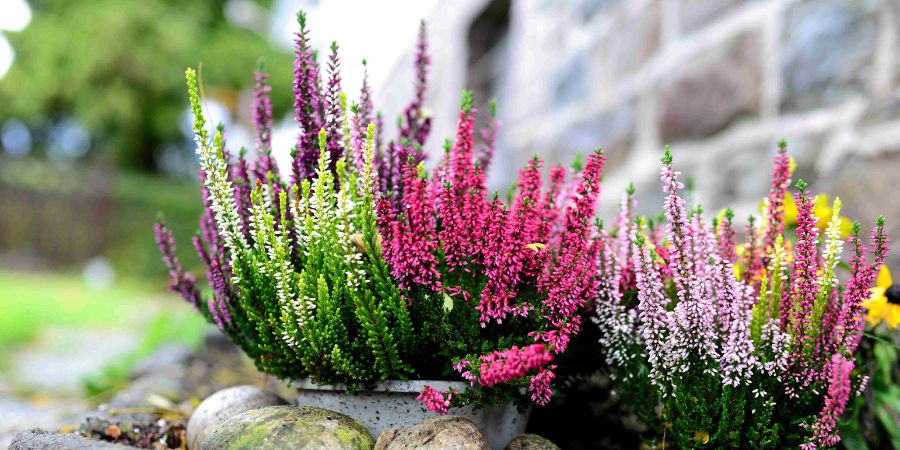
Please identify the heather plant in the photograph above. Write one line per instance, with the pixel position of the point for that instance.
(499, 287)
(721, 344)
(359, 267)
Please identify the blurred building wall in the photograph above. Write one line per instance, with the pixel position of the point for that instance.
(721, 81)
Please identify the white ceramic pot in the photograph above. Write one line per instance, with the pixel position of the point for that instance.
(393, 404)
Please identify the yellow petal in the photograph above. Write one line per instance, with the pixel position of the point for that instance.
(877, 308)
(846, 227)
(790, 210)
(884, 278)
(877, 293)
(892, 316)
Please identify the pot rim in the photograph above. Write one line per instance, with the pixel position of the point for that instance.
(407, 386)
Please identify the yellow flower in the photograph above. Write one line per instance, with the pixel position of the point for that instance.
(822, 211)
(884, 304)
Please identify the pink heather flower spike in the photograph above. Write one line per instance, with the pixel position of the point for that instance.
(825, 428)
(507, 365)
(437, 401)
(695, 313)
(796, 315)
(489, 137)
(656, 321)
(781, 180)
(727, 237)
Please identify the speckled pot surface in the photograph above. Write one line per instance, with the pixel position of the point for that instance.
(393, 404)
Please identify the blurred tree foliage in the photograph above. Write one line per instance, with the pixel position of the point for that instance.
(118, 69)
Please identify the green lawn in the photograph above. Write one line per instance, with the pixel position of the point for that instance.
(30, 301)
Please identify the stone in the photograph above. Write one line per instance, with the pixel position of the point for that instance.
(827, 51)
(385, 438)
(44, 440)
(443, 432)
(289, 427)
(224, 404)
(163, 358)
(715, 90)
(571, 84)
(867, 188)
(612, 129)
(630, 42)
(696, 14)
(530, 442)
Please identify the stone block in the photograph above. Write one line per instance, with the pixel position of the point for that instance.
(712, 91)
(827, 51)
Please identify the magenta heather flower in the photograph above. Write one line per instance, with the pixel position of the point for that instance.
(408, 237)
(825, 428)
(437, 401)
(851, 317)
(781, 179)
(797, 312)
(488, 138)
(532, 263)
(540, 386)
(507, 365)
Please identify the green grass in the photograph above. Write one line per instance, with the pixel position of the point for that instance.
(32, 301)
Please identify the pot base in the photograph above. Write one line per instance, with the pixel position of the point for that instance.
(393, 404)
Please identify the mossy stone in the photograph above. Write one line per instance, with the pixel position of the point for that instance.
(226, 403)
(289, 427)
(530, 442)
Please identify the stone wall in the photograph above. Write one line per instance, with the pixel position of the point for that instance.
(721, 81)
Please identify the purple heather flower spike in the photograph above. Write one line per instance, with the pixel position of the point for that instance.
(306, 105)
(333, 113)
(416, 123)
(180, 281)
(262, 125)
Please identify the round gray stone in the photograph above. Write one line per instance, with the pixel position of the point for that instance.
(444, 432)
(223, 405)
(530, 442)
(289, 427)
(44, 440)
(385, 438)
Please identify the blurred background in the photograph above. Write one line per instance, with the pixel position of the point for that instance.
(95, 132)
